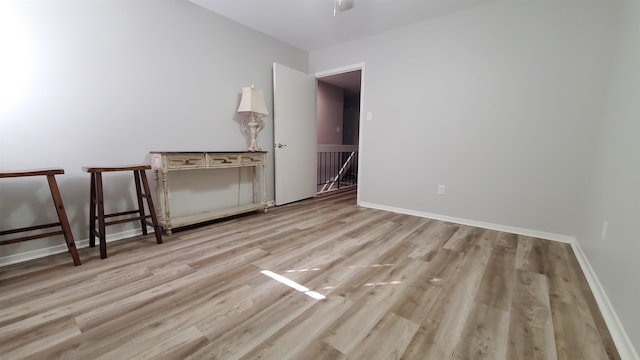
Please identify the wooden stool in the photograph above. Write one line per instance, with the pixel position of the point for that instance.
(97, 204)
(63, 221)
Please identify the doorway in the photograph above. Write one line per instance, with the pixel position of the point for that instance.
(339, 97)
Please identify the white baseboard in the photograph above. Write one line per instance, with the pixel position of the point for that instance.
(480, 224)
(619, 335)
(57, 249)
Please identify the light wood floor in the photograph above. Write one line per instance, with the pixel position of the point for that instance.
(396, 286)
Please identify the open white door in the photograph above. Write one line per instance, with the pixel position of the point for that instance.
(295, 134)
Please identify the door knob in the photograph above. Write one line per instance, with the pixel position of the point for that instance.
(280, 146)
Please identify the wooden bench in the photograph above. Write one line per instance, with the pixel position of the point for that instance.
(63, 221)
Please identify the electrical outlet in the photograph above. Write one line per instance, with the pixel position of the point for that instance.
(603, 230)
(441, 190)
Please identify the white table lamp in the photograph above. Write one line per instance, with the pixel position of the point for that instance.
(252, 102)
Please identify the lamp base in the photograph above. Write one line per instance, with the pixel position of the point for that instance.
(254, 125)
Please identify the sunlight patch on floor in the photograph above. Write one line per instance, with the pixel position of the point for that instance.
(292, 284)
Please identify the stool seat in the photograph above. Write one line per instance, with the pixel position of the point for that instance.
(96, 209)
(93, 169)
(34, 172)
(63, 221)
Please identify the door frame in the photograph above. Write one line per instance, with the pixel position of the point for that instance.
(342, 70)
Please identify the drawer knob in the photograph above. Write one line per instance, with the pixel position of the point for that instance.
(187, 162)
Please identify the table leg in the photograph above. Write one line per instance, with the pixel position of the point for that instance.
(255, 184)
(264, 184)
(156, 180)
(167, 211)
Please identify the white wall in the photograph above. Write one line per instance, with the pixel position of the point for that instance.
(330, 113)
(615, 192)
(499, 102)
(105, 82)
(351, 120)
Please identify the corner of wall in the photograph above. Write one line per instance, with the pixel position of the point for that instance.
(619, 335)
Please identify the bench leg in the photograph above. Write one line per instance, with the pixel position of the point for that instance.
(62, 217)
(101, 225)
(154, 218)
(92, 212)
(141, 213)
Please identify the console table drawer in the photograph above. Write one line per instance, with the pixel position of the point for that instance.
(185, 161)
(252, 159)
(223, 160)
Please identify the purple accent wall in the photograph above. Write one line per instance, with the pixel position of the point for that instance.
(330, 113)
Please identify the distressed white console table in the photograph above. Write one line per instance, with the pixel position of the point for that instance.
(162, 162)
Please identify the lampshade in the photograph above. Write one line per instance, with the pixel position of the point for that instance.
(252, 101)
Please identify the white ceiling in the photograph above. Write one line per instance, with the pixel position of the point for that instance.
(310, 24)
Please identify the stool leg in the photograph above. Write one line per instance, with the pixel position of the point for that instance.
(154, 218)
(101, 226)
(92, 212)
(62, 217)
(143, 223)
